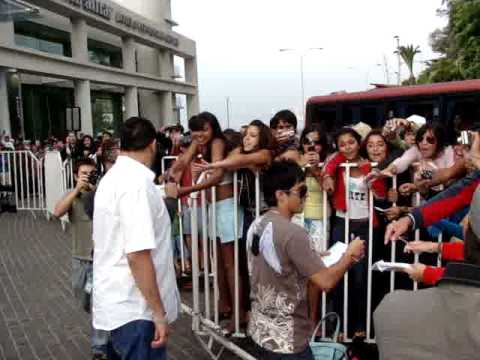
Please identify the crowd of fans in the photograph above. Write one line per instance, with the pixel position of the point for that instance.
(423, 157)
(404, 164)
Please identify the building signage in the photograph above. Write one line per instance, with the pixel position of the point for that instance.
(145, 29)
(95, 7)
(106, 11)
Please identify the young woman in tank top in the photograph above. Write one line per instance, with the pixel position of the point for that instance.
(254, 155)
(209, 144)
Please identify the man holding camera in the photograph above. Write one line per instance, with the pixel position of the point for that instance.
(74, 204)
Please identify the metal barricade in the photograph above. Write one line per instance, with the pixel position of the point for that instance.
(206, 324)
(22, 172)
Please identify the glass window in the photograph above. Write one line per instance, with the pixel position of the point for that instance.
(104, 54)
(43, 38)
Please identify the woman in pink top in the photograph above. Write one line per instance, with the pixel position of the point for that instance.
(429, 154)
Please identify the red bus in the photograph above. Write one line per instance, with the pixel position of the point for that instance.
(444, 102)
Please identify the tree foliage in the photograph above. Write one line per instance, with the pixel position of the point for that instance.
(458, 43)
(407, 53)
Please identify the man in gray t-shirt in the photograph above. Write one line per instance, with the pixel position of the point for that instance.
(281, 262)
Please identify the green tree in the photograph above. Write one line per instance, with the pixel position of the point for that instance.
(458, 43)
(407, 53)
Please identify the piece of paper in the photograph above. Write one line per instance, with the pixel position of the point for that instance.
(336, 253)
(390, 266)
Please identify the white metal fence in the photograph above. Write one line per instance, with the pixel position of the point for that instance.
(35, 184)
(22, 173)
(207, 324)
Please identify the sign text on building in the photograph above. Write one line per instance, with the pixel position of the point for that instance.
(106, 11)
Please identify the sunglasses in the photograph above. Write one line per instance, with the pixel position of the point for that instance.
(430, 139)
(301, 192)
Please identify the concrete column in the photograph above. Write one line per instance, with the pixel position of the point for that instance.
(167, 104)
(78, 38)
(4, 110)
(83, 101)
(128, 54)
(150, 106)
(165, 63)
(193, 105)
(131, 102)
(191, 72)
(191, 76)
(7, 33)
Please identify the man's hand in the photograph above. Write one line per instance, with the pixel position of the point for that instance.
(161, 332)
(356, 250)
(415, 271)
(418, 247)
(397, 228)
(284, 136)
(171, 190)
(82, 183)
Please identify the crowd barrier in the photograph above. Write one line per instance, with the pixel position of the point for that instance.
(22, 173)
(205, 323)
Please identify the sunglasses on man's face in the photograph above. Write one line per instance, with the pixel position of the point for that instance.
(301, 192)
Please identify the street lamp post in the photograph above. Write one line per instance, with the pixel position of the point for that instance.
(399, 77)
(302, 79)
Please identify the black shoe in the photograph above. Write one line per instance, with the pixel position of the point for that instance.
(99, 356)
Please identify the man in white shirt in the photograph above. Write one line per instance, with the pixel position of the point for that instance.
(135, 294)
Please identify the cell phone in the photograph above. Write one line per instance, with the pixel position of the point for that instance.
(466, 137)
(426, 174)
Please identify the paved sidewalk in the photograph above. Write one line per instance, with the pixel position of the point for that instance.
(39, 318)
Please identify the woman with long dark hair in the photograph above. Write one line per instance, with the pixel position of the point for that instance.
(209, 144)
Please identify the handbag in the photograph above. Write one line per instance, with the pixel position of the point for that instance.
(328, 348)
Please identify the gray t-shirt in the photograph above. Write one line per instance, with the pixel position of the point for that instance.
(279, 274)
(82, 243)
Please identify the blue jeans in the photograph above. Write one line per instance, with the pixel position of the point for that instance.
(132, 341)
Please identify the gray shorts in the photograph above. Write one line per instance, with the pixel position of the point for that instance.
(187, 224)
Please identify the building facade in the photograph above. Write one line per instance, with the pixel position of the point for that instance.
(104, 60)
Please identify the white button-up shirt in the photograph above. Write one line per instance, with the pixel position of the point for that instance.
(130, 215)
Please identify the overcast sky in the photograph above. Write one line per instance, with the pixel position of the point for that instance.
(238, 46)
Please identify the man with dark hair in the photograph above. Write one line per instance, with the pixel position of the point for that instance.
(135, 295)
(74, 204)
(284, 129)
(281, 262)
(438, 323)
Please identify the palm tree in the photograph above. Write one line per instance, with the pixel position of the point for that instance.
(408, 53)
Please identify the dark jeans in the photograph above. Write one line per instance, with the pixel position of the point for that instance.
(132, 341)
(265, 354)
(357, 278)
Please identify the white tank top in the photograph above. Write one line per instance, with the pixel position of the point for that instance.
(358, 197)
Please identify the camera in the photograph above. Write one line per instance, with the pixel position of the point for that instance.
(93, 178)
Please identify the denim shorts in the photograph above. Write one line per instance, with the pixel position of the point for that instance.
(225, 226)
(187, 221)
